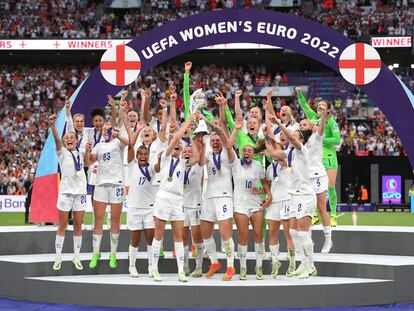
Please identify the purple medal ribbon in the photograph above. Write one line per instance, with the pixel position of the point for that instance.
(158, 126)
(217, 162)
(96, 140)
(76, 161)
(277, 130)
(244, 161)
(109, 135)
(290, 155)
(145, 172)
(173, 166)
(275, 169)
(187, 140)
(187, 176)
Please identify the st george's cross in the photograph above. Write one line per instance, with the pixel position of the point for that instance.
(120, 65)
(359, 64)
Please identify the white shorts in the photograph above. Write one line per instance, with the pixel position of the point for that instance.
(217, 209)
(248, 211)
(192, 216)
(304, 205)
(168, 209)
(319, 184)
(109, 193)
(92, 170)
(67, 202)
(140, 218)
(278, 211)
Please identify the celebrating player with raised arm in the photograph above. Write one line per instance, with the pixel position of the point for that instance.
(303, 197)
(109, 189)
(169, 202)
(331, 138)
(218, 200)
(72, 191)
(247, 203)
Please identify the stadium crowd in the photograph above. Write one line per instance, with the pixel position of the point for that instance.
(27, 93)
(91, 19)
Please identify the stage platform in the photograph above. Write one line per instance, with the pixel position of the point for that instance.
(369, 277)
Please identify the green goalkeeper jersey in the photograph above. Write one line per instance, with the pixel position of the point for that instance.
(332, 135)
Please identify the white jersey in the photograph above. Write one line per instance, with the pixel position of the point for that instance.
(290, 126)
(172, 186)
(314, 145)
(71, 181)
(192, 186)
(300, 172)
(281, 178)
(219, 180)
(156, 126)
(154, 149)
(245, 178)
(141, 192)
(111, 166)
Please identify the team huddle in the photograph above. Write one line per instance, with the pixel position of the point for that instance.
(208, 169)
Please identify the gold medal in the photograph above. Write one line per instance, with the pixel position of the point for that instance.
(276, 179)
(169, 179)
(219, 172)
(79, 173)
(289, 168)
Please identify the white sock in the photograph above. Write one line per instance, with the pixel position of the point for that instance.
(77, 244)
(179, 252)
(59, 244)
(327, 231)
(132, 255)
(186, 254)
(114, 237)
(156, 245)
(200, 255)
(307, 246)
(210, 246)
(274, 252)
(229, 246)
(242, 254)
(96, 243)
(259, 250)
(296, 242)
(150, 257)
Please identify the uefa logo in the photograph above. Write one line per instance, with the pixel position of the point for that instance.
(391, 184)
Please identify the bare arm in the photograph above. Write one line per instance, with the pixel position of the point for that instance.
(147, 97)
(88, 148)
(173, 108)
(69, 120)
(237, 108)
(58, 142)
(157, 166)
(178, 135)
(296, 143)
(237, 126)
(269, 104)
(163, 128)
(266, 188)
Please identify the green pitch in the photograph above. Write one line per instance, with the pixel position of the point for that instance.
(364, 219)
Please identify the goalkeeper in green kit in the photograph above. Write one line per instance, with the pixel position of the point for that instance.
(331, 138)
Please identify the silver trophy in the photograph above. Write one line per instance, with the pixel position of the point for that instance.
(198, 100)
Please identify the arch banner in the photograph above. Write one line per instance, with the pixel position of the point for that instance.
(357, 62)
